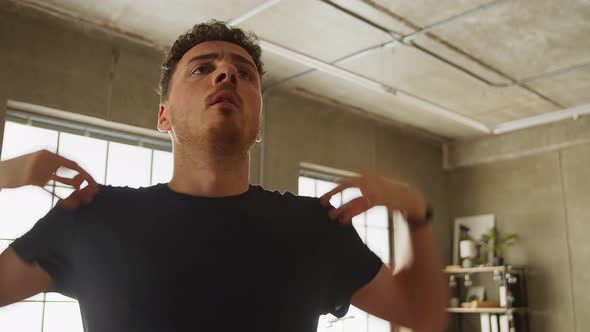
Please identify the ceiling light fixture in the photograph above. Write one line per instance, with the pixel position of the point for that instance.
(569, 113)
(439, 110)
(370, 84)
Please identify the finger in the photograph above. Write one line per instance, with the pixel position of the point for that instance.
(86, 195)
(74, 166)
(69, 203)
(325, 199)
(64, 162)
(349, 210)
(346, 218)
(78, 198)
(68, 181)
(78, 180)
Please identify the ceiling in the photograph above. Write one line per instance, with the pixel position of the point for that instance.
(454, 68)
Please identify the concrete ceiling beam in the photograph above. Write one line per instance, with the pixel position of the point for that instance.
(253, 12)
(408, 41)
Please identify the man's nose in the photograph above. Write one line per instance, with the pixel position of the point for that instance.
(226, 74)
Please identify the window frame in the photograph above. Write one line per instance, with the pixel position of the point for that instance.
(335, 176)
(108, 132)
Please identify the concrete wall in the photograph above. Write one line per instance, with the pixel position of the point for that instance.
(76, 68)
(50, 62)
(537, 183)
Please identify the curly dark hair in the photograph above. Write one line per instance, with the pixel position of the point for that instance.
(209, 31)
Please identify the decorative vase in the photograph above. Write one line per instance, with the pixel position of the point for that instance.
(498, 261)
(467, 251)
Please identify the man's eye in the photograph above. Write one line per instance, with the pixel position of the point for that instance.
(202, 70)
(245, 75)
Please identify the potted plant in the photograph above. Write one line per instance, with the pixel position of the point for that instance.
(494, 241)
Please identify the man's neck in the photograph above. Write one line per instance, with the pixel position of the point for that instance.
(200, 174)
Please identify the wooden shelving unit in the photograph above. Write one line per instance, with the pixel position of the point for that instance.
(504, 273)
(483, 269)
(485, 310)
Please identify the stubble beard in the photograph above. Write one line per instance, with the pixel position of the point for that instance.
(227, 139)
(223, 139)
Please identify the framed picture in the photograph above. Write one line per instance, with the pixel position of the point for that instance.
(470, 228)
(475, 293)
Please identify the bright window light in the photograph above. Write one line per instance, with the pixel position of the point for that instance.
(128, 165)
(107, 161)
(373, 228)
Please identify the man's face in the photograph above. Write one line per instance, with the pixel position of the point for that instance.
(214, 100)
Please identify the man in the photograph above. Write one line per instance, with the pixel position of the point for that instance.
(208, 251)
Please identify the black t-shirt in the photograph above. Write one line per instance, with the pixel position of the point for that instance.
(151, 259)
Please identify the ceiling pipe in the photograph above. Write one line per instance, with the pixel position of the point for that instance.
(545, 75)
(512, 82)
(408, 41)
(414, 35)
(366, 82)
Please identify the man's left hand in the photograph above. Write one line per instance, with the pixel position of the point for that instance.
(377, 190)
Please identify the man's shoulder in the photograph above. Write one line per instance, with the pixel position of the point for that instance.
(285, 196)
(124, 195)
(285, 199)
(107, 189)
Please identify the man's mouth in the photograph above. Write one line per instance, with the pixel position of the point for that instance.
(223, 100)
(225, 97)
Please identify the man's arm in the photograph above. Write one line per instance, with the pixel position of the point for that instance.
(20, 280)
(415, 295)
(38, 168)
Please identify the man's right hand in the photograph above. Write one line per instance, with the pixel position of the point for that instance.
(38, 168)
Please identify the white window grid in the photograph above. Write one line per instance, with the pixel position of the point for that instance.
(370, 224)
(21, 208)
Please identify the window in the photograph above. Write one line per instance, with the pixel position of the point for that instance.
(111, 157)
(373, 228)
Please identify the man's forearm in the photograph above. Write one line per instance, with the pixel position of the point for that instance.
(2, 175)
(422, 247)
(423, 281)
(6, 168)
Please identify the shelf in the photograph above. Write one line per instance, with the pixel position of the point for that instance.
(485, 310)
(482, 269)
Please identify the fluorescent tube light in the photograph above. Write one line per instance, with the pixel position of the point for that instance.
(568, 113)
(438, 110)
(373, 85)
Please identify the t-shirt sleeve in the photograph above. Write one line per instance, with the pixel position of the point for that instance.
(347, 265)
(48, 244)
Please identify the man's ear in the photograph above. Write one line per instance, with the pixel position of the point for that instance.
(163, 120)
